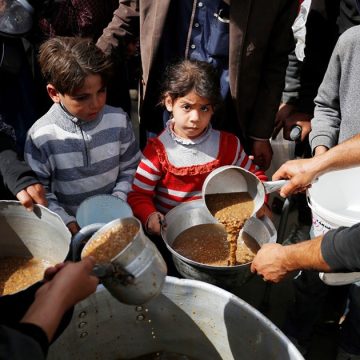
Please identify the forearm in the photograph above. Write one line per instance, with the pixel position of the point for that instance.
(342, 156)
(16, 174)
(305, 255)
(125, 22)
(46, 313)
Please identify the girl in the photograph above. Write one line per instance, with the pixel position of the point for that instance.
(175, 164)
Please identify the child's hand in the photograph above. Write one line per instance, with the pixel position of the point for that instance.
(73, 227)
(153, 225)
(264, 211)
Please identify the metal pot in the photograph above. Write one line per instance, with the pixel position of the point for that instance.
(229, 178)
(194, 213)
(40, 233)
(189, 317)
(137, 273)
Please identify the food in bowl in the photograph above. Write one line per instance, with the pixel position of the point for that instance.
(110, 243)
(18, 273)
(208, 244)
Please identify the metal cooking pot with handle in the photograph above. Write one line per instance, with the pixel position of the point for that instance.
(40, 233)
(137, 273)
(230, 178)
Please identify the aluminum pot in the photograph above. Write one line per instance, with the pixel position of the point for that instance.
(189, 317)
(40, 233)
(194, 213)
(137, 273)
(230, 178)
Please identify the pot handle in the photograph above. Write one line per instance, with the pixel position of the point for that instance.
(337, 279)
(271, 186)
(84, 233)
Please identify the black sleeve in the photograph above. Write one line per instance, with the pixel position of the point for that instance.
(340, 248)
(15, 173)
(23, 341)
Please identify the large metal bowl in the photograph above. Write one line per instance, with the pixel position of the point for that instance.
(40, 233)
(194, 213)
(189, 317)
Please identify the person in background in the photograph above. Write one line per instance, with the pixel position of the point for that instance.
(65, 285)
(18, 181)
(251, 57)
(80, 147)
(337, 250)
(80, 18)
(319, 26)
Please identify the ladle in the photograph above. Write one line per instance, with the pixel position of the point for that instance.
(137, 273)
(231, 179)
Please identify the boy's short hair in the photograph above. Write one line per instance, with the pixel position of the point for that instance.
(65, 62)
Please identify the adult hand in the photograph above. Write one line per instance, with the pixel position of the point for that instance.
(301, 119)
(301, 173)
(73, 227)
(32, 194)
(285, 110)
(153, 225)
(270, 262)
(262, 153)
(70, 283)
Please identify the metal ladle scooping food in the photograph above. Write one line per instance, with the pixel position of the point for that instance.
(137, 273)
(231, 179)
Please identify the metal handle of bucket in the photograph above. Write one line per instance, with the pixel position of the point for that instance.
(336, 279)
(271, 186)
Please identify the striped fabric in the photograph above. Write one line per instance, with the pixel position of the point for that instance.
(172, 170)
(76, 159)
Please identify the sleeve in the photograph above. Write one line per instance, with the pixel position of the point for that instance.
(280, 44)
(340, 248)
(39, 161)
(23, 341)
(326, 121)
(146, 178)
(16, 174)
(125, 23)
(129, 160)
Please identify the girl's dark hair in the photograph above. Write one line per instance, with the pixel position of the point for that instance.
(66, 61)
(192, 75)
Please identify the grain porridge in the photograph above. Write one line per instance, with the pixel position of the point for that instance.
(205, 243)
(110, 243)
(231, 210)
(18, 273)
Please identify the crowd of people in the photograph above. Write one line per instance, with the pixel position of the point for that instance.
(216, 80)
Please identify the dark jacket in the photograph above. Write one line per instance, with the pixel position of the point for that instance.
(15, 175)
(260, 41)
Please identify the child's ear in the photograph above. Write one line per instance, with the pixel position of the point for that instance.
(53, 93)
(168, 103)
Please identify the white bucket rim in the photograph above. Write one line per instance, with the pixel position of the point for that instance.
(330, 216)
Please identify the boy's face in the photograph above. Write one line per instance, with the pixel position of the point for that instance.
(86, 102)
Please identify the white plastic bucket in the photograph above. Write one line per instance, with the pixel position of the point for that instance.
(335, 200)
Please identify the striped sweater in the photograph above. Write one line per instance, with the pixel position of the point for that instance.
(75, 159)
(172, 170)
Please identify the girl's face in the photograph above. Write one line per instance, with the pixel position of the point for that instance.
(191, 114)
(86, 102)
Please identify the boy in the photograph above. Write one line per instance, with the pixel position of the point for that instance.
(80, 147)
